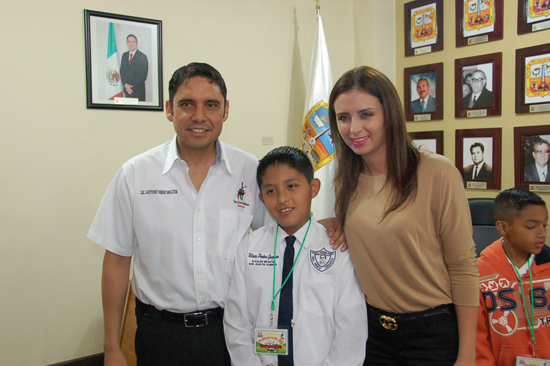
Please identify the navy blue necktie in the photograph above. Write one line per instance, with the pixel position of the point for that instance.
(285, 301)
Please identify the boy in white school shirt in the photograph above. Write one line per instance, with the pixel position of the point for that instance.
(318, 316)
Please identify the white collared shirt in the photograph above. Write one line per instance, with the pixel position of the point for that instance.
(541, 172)
(329, 307)
(184, 241)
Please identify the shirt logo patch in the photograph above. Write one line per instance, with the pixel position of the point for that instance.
(322, 259)
(240, 197)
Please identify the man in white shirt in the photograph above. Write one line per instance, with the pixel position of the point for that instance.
(538, 171)
(180, 209)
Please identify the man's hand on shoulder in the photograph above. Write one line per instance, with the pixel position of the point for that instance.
(335, 232)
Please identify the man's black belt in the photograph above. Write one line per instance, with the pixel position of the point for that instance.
(191, 320)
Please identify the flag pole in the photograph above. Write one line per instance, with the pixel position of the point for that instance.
(318, 7)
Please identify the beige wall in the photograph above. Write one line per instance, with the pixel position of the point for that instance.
(508, 120)
(58, 157)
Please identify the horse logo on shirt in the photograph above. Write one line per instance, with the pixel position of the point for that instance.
(322, 259)
(241, 192)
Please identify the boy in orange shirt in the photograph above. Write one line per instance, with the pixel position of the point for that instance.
(514, 315)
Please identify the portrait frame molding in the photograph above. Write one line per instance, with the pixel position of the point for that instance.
(430, 135)
(519, 157)
(521, 55)
(421, 50)
(523, 26)
(496, 34)
(95, 75)
(408, 72)
(496, 108)
(496, 135)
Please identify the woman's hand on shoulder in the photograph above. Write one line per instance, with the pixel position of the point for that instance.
(335, 232)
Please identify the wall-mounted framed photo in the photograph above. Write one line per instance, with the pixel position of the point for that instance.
(478, 157)
(423, 27)
(531, 154)
(478, 21)
(533, 79)
(123, 61)
(424, 92)
(478, 84)
(533, 15)
(431, 141)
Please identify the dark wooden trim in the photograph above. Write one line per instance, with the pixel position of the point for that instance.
(93, 360)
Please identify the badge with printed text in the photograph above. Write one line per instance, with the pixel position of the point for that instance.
(529, 361)
(322, 259)
(271, 341)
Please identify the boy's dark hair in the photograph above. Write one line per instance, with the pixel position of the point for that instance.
(287, 155)
(185, 73)
(509, 203)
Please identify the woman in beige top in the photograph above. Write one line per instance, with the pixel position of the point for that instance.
(408, 227)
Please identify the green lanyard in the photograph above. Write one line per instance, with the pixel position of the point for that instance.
(275, 268)
(530, 321)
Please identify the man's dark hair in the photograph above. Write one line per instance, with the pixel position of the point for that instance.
(182, 76)
(290, 156)
(130, 35)
(509, 203)
(477, 144)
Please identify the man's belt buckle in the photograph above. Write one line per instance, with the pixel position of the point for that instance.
(388, 322)
(193, 319)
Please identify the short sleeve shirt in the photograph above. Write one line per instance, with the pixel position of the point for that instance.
(184, 242)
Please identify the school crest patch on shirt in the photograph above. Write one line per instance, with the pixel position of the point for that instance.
(322, 259)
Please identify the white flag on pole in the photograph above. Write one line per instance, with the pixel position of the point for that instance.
(316, 137)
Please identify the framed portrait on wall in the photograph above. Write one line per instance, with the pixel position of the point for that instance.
(424, 92)
(478, 21)
(478, 157)
(423, 27)
(123, 61)
(533, 15)
(531, 155)
(478, 83)
(533, 79)
(431, 141)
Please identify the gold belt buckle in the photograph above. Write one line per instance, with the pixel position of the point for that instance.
(388, 322)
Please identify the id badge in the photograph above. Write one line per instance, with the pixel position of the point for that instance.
(529, 361)
(271, 341)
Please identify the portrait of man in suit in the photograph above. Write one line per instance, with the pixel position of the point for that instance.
(480, 97)
(425, 103)
(479, 170)
(538, 171)
(133, 70)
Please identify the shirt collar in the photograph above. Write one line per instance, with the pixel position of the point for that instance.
(174, 155)
(301, 233)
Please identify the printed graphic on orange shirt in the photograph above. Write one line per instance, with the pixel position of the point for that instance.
(505, 305)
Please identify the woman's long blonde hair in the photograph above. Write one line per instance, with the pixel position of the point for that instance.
(402, 157)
